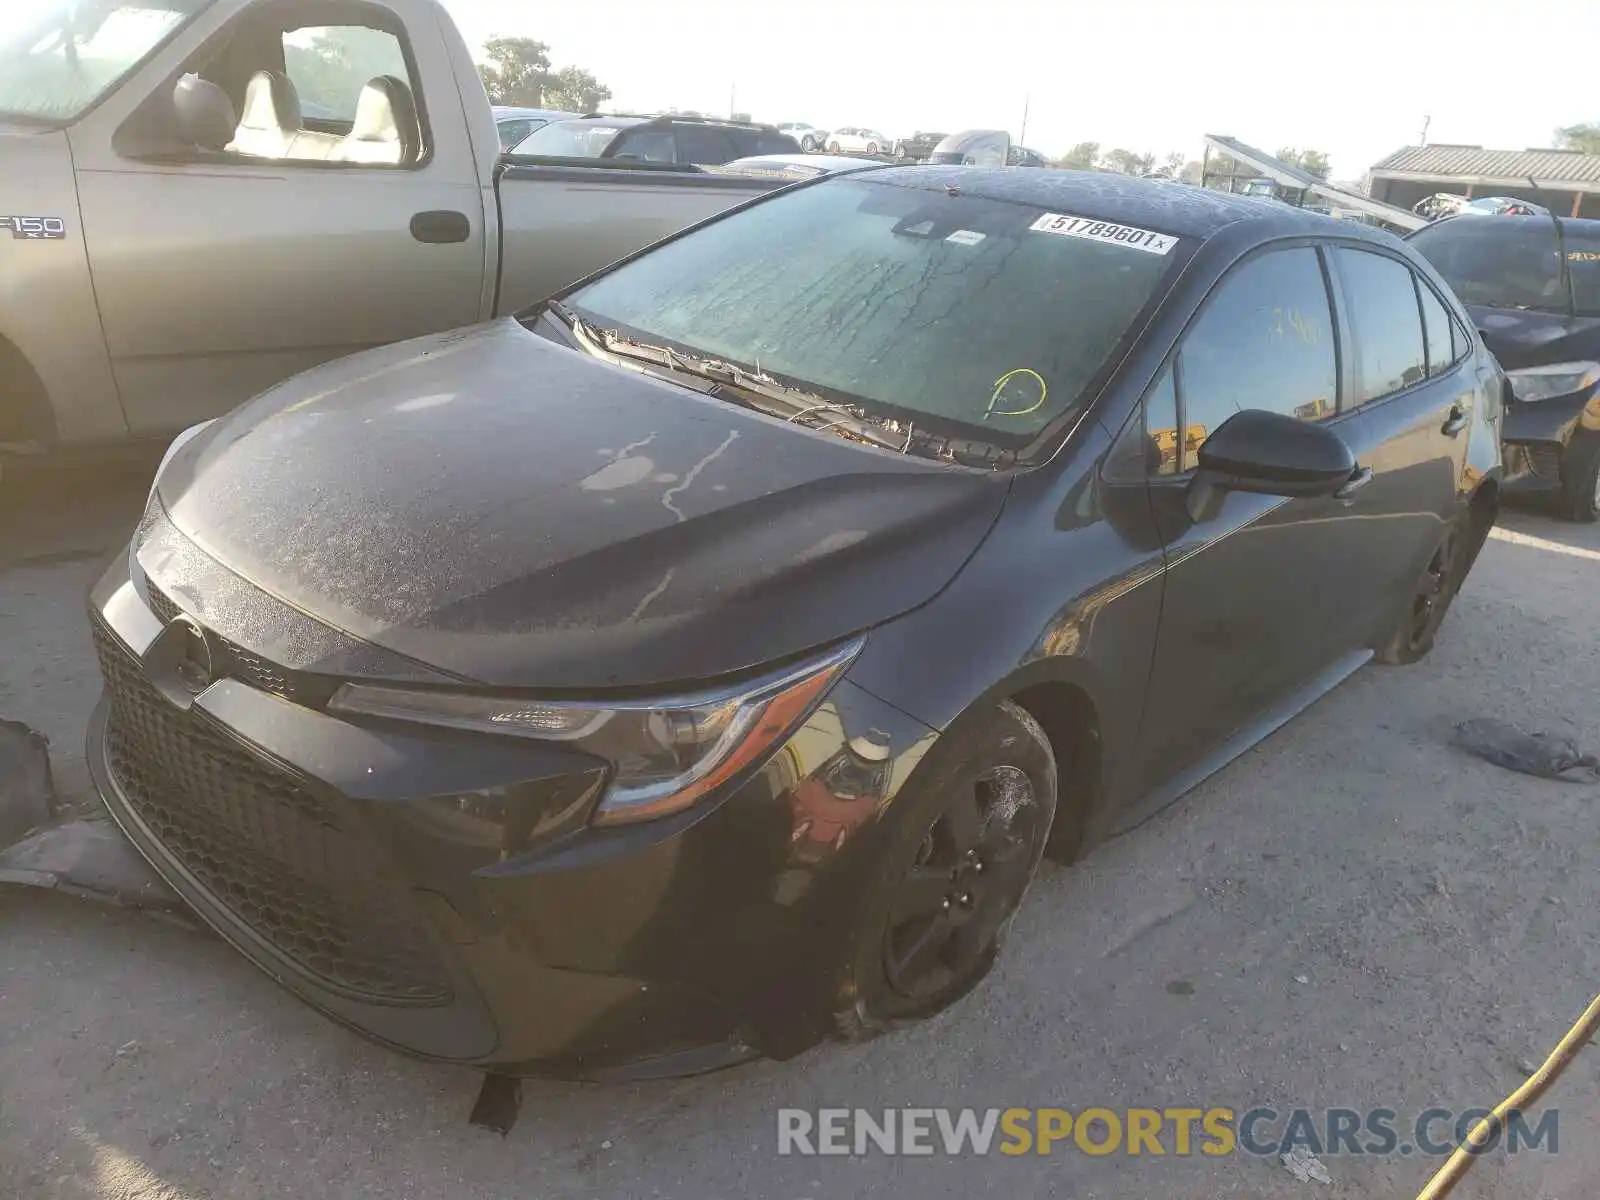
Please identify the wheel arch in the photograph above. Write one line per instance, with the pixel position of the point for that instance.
(1071, 719)
(25, 412)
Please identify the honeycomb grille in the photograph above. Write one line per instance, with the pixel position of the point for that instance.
(271, 852)
(245, 665)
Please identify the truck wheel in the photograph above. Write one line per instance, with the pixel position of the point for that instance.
(1435, 588)
(976, 817)
(1580, 479)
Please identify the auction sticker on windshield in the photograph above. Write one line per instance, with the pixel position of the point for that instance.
(1105, 231)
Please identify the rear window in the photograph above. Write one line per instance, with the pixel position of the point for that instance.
(1500, 262)
(569, 139)
(949, 310)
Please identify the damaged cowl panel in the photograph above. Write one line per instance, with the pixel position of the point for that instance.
(607, 528)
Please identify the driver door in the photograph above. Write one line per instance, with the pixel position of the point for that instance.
(1251, 586)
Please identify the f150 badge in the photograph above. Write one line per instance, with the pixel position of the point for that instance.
(41, 229)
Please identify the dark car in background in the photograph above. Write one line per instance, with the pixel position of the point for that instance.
(672, 139)
(918, 146)
(662, 678)
(1532, 285)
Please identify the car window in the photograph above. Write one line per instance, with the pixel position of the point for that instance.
(1264, 340)
(1164, 448)
(1583, 263)
(710, 147)
(1507, 262)
(1436, 323)
(330, 65)
(652, 145)
(1387, 328)
(512, 132)
(962, 314)
(762, 141)
(569, 139)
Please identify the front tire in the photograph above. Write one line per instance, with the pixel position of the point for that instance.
(1580, 479)
(833, 147)
(975, 818)
(872, 148)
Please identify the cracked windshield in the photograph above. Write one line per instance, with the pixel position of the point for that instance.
(698, 600)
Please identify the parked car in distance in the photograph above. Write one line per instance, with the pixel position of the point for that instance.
(1502, 206)
(918, 146)
(669, 139)
(798, 166)
(178, 240)
(854, 139)
(1440, 204)
(1532, 286)
(599, 662)
(1021, 156)
(812, 140)
(515, 124)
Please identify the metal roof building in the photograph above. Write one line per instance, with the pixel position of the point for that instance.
(1565, 181)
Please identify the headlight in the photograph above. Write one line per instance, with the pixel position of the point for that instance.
(1556, 379)
(664, 754)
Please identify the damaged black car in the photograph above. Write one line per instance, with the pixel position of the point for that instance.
(703, 663)
(1532, 287)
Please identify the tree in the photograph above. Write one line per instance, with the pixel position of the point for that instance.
(517, 73)
(1172, 164)
(1312, 162)
(575, 90)
(1584, 137)
(1085, 156)
(1126, 162)
(1191, 172)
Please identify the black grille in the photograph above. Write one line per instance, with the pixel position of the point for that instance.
(246, 666)
(270, 851)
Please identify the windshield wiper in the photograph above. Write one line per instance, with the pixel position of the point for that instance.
(758, 390)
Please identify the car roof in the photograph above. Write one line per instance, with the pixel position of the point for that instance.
(820, 164)
(505, 112)
(677, 118)
(1185, 211)
(1584, 225)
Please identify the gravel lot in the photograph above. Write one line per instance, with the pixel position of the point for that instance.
(1354, 914)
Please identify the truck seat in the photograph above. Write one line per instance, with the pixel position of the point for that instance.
(271, 117)
(386, 130)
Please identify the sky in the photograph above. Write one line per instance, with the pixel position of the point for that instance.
(1354, 78)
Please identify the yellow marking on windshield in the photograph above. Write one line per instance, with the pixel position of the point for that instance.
(1016, 381)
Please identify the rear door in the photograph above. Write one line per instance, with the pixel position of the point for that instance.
(1415, 392)
(1249, 582)
(705, 146)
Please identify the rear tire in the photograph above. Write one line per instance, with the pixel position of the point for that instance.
(959, 858)
(833, 147)
(1580, 479)
(1414, 635)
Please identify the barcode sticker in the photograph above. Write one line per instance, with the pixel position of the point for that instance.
(1131, 236)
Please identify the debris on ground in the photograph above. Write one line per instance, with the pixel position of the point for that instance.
(27, 795)
(1305, 1166)
(91, 860)
(1550, 757)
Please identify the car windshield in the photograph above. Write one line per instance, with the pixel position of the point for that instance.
(964, 315)
(569, 139)
(1510, 263)
(59, 59)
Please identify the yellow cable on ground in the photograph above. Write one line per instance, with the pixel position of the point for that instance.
(1538, 1083)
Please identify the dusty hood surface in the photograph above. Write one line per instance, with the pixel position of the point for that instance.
(520, 514)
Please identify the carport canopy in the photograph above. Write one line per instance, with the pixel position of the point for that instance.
(1290, 176)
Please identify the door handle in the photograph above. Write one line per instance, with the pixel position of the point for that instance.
(441, 228)
(1358, 480)
(1455, 422)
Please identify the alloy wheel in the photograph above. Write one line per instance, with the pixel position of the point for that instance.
(1433, 591)
(952, 905)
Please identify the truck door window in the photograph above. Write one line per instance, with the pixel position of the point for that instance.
(707, 147)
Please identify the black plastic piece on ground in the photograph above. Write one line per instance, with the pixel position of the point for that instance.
(499, 1104)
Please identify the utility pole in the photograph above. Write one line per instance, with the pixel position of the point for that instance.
(1426, 121)
(733, 100)
(1022, 138)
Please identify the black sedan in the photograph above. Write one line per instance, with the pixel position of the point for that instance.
(1532, 286)
(703, 663)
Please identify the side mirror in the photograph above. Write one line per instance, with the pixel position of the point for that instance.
(1275, 455)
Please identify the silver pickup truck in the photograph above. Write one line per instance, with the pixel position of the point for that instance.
(200, 198)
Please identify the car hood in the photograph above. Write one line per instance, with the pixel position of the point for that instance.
(520, 514)
(1519, 338)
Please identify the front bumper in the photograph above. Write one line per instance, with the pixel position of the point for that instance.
(373, 870)
(1538, 438)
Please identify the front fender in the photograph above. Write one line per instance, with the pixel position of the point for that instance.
(47, 306)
